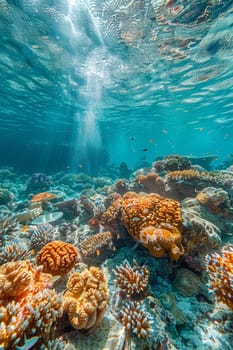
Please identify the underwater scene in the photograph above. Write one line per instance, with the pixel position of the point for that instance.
(116, 174)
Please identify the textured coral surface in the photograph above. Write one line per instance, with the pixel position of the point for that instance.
(86, 297)
(57, 257)
(153, 220)
(220, 270)
(28, 310)
(132, 280)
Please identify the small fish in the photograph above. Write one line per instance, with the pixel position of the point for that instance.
(97, 252)
(28, 343)
(80, 166)
(145, 149)
(164, 131)
(152, 140)
(136, 219)
(32, 251)
(132, 138)
(24, 228)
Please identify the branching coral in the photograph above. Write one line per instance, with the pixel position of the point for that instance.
(96, 244)
(184, 183)
(220, 270)
(132, 281)
(135, 320)
(57, 257)
(28, 308)
(13, 252)
(86, 297)
(153, 220)
(8, 228)
(41, 235)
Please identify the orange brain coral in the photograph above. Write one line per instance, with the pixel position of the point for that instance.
(86, 297)
(57, 257)
(151, 219)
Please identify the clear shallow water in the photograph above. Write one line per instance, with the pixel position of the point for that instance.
(97, 81)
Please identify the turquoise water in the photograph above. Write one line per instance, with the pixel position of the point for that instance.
(116, 127)
(90, 79)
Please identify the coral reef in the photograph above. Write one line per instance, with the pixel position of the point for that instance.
(14, 251)
(8, 228)
(135, 320)
(98, 244)
(216, 200)
(220, 268)
(86, 298)
(185, 183)
(153, 220)
(69, 207)
(5, 196)
(57, 257)
(43, 197)
(41, 235)
(186, 282)
(28, 215)
(172, 163)
(199, 235)
(169, 303)
(132, 280)
(38, 182)
(28, 308)
(151, 183)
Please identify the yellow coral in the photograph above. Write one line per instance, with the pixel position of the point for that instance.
(20, 277)
(28, 309)
(162, 240)
(86, 297)
(220, 270)
(153, 220)
(57, 257)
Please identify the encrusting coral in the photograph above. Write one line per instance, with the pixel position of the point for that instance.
(186, 282)
(199, 235)
(216, 201)
(28, 308)
(86, 298)
(57, 257)
(220, 270)
(184, 183)
(151, 183)
(151, 219)
(132, 281)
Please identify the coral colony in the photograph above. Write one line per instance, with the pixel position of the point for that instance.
(141, 262)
